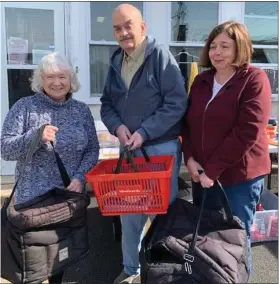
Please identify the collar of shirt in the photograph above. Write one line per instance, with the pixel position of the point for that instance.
(136, 53)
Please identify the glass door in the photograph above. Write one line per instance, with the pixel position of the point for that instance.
(30, 30)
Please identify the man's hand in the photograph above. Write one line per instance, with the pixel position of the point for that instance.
(123, 134)
(75, 185)
(49, 133)
(193, 168)
(135, 141)
(206, 181)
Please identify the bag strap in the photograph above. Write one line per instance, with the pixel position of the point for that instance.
(31, 150)
(130, 159)
(34, 143)
(62, 170)
(189, 257)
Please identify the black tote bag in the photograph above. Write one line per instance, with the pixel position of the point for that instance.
(59, 212)
(192, 245)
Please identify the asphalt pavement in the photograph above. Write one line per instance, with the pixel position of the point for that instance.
(103, 262)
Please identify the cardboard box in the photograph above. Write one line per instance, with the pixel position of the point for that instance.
(106, 140)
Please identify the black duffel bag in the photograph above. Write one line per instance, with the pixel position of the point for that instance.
(46, 235)
(193, 245)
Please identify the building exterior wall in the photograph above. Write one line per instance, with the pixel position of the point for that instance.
(83, 31)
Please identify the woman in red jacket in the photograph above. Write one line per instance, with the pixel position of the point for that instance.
(224, 133)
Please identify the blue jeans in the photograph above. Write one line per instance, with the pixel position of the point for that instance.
(133, 224)
(243, 199)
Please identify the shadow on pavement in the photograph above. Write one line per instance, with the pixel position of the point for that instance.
(271, 246)
(104, 261)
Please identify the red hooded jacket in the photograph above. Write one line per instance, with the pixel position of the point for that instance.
(228, 136)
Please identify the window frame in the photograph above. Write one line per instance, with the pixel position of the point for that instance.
(187, 44)
(157, 27)
(223, 14)
(261, 17)
(7, 167)
(274, 97)
(34, 6)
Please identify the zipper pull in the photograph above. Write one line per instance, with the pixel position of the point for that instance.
(189, 258)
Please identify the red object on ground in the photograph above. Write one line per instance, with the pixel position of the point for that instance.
(259, 207)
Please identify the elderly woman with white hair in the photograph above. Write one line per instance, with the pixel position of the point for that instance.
(70, 127)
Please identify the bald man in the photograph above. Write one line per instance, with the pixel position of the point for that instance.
(143, 103)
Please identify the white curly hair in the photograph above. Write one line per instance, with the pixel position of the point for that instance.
(52, 62)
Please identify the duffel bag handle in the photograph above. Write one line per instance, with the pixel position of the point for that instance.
(31, 150)
(130, 159)
(62, 170)
(189, 257)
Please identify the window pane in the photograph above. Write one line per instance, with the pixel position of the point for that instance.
(272, 74)
(263, 55)
(185, 61)
(261, 8)
(30, 34)
(99, 63)
(101, 22)
(261, 19)
(193, 21)
(19, 84)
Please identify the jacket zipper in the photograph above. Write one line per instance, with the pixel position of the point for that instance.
(204, 119)
(218, 94)
(203, 127)
(127, 90)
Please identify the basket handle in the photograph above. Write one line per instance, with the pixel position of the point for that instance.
(130, 159)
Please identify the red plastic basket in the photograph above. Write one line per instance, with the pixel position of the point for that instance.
(146, 191)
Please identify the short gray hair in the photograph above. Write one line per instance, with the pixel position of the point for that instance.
(50, 62)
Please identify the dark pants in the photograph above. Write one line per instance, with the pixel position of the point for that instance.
(56, 279)
(243, 199)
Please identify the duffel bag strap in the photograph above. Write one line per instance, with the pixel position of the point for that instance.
(189, 257)
(33, 146)
(63, 172)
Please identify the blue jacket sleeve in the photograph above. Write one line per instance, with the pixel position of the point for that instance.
(91, 154)
(108, 114)
(174, 95)
(15, 137)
